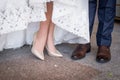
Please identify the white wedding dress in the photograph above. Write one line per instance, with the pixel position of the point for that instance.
(19, 22)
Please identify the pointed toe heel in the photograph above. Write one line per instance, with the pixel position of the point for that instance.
(54, 54)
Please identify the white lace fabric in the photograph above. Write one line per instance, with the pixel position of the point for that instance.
(16, 17)
(70, 15)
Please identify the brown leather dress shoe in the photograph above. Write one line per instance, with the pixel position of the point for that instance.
(80, 51)
(103, 54)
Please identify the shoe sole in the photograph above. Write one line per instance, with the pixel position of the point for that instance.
(104, 61)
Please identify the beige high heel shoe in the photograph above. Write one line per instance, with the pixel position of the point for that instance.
(38, 54)
(54, 54)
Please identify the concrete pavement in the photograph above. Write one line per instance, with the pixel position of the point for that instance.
(20, 64)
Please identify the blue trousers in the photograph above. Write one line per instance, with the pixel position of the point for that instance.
(106, 14)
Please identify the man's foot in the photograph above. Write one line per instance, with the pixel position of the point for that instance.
(81, 51)
(103, 54)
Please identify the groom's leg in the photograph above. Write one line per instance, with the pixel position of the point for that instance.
(82, 49)
(106, 14)
(92, 11)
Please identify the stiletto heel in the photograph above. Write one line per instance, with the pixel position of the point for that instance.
(38, 54)
(54, 54)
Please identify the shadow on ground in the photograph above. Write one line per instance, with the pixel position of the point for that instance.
(20, 64)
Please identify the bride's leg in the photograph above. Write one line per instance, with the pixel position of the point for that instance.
(52, 51)
(50, 40)
(43, 30)
(45, 34)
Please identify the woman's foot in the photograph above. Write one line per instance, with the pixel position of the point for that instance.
(42, 34)
(54, 54)
(36, 49)
(51, 49)
(38, 54)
